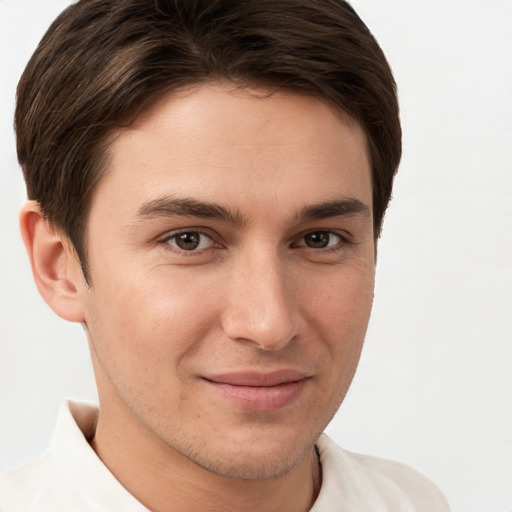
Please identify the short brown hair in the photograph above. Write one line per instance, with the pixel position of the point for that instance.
(103, 61)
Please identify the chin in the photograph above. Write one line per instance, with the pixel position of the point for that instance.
(264, 458)
(246, 467)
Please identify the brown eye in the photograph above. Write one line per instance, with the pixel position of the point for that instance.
(320, 239)
(190, 241)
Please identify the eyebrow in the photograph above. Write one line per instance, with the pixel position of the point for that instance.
(345, 207)
(188, 207)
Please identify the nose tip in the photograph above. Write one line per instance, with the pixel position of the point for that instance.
(261, 308)
(270, 330)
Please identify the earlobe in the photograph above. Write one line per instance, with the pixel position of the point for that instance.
(54, 265)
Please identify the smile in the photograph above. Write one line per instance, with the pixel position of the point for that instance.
(260, 392)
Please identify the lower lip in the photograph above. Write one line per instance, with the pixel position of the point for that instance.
(261, 398)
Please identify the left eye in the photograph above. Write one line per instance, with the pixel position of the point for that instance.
(190, 241)
(320, 239)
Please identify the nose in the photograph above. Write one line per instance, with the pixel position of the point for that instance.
(261, 306)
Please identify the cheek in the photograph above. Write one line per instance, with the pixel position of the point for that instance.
(340, 314)
(342, 301)
(139, 325)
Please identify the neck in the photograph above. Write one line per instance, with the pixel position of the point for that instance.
(164, 480)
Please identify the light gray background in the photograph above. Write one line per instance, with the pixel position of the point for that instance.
(434, 387)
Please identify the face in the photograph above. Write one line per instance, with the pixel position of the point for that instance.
(231, 252)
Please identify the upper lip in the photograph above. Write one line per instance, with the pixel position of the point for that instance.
(258, 379)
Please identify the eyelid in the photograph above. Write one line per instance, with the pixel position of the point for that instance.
(344, 237)
(169, 235)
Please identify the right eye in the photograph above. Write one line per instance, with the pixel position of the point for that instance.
(189, 241)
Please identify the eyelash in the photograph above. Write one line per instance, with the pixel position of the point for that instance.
(343, 241)
(173, 236)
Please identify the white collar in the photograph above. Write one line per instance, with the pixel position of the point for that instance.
(79, 464)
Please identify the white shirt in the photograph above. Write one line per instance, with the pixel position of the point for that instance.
(70, 477)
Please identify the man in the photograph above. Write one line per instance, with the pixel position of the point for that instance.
(207, 182)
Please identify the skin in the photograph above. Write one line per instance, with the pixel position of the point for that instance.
(260, 295)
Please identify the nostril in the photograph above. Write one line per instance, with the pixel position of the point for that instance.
(269, 330)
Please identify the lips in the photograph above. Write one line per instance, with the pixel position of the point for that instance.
(259, 391)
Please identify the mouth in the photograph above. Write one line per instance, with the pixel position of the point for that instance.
(259, 391)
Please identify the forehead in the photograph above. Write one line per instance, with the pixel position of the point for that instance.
(226, 113)
(220, 142)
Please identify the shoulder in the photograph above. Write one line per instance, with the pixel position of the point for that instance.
(46, 483)
(33, 485)
(69, 476)
(364, 483)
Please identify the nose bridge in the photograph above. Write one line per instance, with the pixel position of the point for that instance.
(261, 306)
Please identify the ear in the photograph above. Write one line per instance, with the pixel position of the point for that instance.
(55, 266)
